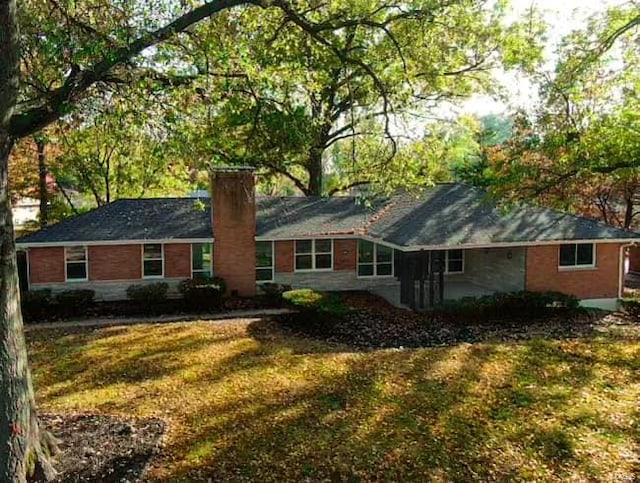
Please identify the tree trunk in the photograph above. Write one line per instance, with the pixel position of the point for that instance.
(42, 182)
(628, 212)
(315, 172)
(22, 452)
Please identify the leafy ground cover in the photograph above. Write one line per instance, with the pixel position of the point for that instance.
(247, 401)
(374, 323)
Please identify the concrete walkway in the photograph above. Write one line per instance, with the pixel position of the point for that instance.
(160, 319)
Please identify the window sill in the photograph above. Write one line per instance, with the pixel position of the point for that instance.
(313, 270)
(76, 280)
(153, 277)
(577, 268)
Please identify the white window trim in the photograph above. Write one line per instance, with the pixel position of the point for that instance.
(569, 268)
(86, 265)
(152, 277)
(313, 256)
(191, 263)
(273, 262)
(374, 263)
(446, 262)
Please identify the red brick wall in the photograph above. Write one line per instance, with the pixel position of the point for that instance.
(115, 262)
(46, 265)
(345, 254)
(284, 256)
(177, 260)
(234, 229)
(601, 282)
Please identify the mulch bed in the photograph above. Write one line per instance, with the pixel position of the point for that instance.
(127, 308)
(103, 448)
(377, 324)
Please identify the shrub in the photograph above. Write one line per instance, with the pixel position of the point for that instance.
(148, 295)
(273, 291)
(36, 303)
(316, 304)
(203, 293)
(74, 302)
(517, 305)
(632, 307)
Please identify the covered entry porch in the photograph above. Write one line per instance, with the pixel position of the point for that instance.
(428, 278)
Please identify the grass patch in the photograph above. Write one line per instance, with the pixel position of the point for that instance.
(281, 408)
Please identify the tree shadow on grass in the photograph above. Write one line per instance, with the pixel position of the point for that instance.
(396, 415)
(250, 402)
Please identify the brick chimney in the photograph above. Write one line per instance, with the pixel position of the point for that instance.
(234, 228)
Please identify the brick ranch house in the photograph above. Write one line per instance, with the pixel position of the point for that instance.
(444, 243)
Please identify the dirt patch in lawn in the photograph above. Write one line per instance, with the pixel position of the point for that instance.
(103, 448)
(374, 323)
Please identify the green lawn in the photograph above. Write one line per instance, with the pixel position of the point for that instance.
(244, 402)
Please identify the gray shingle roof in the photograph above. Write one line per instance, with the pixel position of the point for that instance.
(132, 219)
(456, 214)
(293, 217)
(445, 215)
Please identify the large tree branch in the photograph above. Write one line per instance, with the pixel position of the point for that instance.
(299, 184)
(78, 81)
(314, 31)
(555, 180)
(355, 184)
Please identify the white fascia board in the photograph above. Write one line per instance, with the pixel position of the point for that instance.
(111, 242)
(469, 246)
(346, 236)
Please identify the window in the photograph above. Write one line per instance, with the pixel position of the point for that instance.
(201, 260)
(314, 255)
(455, 261)
(374, 260)
(577, 255)
(76, 263)
(264, 261)
(152, 260)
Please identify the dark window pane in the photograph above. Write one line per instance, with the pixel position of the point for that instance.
(323, 261)
(76, 271)
(585, 254)
(303, 262)
(384, 254)
(323, 246)
(303, 246)
(384, 269)
(264, 254)
(454, 254)
(455, 266)
(264, 274)
(365, 270)
(153, 268)
(567, 255)
(197, 256)
(76, 254)
(365, 251)
(152, 250)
